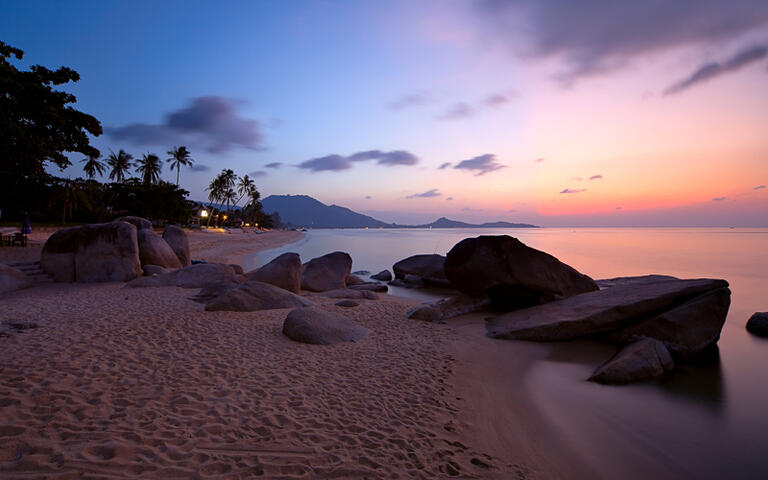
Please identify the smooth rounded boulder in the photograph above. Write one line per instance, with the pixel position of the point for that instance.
(153, 250)
(284, 272)
(758, 324)
(428, 269)
(643, 360)
(382, 276)
(318, 327)
(138, 222)
(177, 239)
(12, 279)
(328, 272)
(194, 276)
(512, 274)
(253, 295)
(101, 252)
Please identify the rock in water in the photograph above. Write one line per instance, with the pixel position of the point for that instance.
(138, 222)
(12, 279)
(328, 272)
(758, 324)
(283, 271)
(383, 276)
(599, 312)
(253, 295)
(177, 239)
(645, 359)
(688, 329)
(373, 287)
(315, 326)
(448, 308)
(154, 251)
(512, 274)
(101, 252)
(427, 268)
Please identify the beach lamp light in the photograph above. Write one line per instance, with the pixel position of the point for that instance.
(203, 213)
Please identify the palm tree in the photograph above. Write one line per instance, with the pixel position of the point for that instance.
(149, 167)
(120, 163)
(92, 167)
(245, 187)
(179, 157)
(215, 191)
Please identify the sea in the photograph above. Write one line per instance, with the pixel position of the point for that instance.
(707, 420)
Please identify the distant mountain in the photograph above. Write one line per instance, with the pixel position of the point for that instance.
(305, 211)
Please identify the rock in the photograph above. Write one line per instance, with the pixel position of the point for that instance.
(645, 359)
(346, 293)
(347, 303)
(206, 294)
(328, 272)
(428, 268)
(373, 287)
(154, 251)
(428, 313)
(101, 252)
(758, 324)
(177, 239)
(353, 279)
(237, 269)
(194, 276)
(599, 312)
(413, 281)
(12, 279)
(150, 270)
(687, 329)
(383, 276)
(138, 222)
(253, 295)
(512, 274)
(361, 272)
(284, 272)
(315, 326)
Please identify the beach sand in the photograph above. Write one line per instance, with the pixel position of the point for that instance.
(101, 381)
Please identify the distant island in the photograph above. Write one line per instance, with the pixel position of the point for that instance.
(305, 211)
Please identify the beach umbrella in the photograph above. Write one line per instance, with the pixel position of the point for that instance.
(26, 228)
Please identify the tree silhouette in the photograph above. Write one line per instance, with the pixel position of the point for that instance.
(245, 188)
(93, 166)
(121, 162)
(70, 195)
(149, 166)
(179, 157)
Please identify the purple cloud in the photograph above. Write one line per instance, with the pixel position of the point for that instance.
(539, 160)
(444, 166)
(719, 199)
(596, 177)
(482, 164)
(258, 173)
(511, 210)
(715, 69)
(458, 111)
(333, 163)
(198, 167)
(395, 157)
(449, 199)
(408, 101)
(496, 100)
(273, 165)
(573, 190)
(428, 194)
(759, 187)
(209, 122)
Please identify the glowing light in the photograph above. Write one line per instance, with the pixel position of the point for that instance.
(203, 213)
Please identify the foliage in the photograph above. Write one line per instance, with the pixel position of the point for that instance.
(162, 202)
(227, 188)
(121, 163)
(93, 166)
(180, 156)
(150, 167)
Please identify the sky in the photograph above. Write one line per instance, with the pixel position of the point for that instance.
(552, 112)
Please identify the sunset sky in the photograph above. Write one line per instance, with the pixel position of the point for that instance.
(558, 113)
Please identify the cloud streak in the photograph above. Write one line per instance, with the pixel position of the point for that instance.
(211, 123)
(481, 164)
(715, 69)
(409, 101)
(273, 165)
(338, 163)
(428, 194)
(573, 190)
(759, 187)
(458, 111)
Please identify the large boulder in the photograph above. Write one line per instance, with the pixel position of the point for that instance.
(370, 286)
(253, 295)
(153, 250)
(315, 326)
(328, 272)
(150, 270)
(284, 272)
(12, 279)
(645, 359)
(383, 276)
(177, 239)
(687, 329)
(138, 222)
(102, 252)
(428, 268)
(602, 311)
(512, 274)
(194, 276)
(758, 324)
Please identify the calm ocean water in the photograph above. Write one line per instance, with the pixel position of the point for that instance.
(708, 420)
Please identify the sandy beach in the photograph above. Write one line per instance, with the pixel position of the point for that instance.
(102, 381)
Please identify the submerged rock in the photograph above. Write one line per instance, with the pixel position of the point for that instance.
(758, 324)
(315, 326)
(601, 311)
(512, 274)
(448, 308)
(383, 276)
(283, 271)
(370, 286)
(425, 268)
(645, 359)
(328, 272)
(253, 295)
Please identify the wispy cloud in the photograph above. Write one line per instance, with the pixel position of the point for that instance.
(719, 199)
(332, 163)
(212, 123)
(759, 187)
(596, 177)
(368, 197)
(573, 190)
(273, 165)
(511, 210)
(458, 111)
(715, 69)
(473, 210)
(539, 160)
(410, 100)
(258, 173)
(619, 208)
(444, 166)
(482, 164)
(428, 194)
(497, 100)
(338, 163)
(198, 167)
(449, 199)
